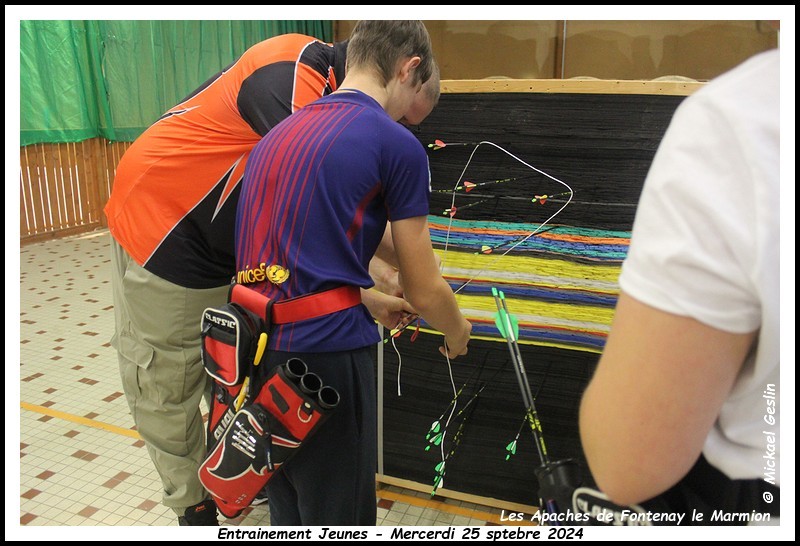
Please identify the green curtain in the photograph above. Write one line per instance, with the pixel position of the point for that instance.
(61, 83)
(83, 79)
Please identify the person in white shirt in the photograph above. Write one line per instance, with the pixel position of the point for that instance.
(685, 399)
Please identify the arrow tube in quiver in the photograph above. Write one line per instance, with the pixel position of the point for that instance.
(295, 397)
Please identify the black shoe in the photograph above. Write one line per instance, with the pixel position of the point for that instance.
(204, 513)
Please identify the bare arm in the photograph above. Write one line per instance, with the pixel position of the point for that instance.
(383, 266)
(386, 277)
(659, 385)
(424, 286)
(385, 250)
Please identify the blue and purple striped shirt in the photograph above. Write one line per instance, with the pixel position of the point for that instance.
(317, 193)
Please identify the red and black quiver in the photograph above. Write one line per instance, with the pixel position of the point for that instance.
(259, 418)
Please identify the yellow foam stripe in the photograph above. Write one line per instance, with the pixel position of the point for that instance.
(584, 313)
(563, 346)
(81, 420)
(536, 266)
(449, 508)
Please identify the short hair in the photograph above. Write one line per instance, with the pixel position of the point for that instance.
(432, 87)
(380, 45)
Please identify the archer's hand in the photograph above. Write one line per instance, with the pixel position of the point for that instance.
(388, 310)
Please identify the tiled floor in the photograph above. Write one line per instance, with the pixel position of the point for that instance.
(81, 462)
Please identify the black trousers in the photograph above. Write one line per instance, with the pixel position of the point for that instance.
(331, 480)
(707, 490)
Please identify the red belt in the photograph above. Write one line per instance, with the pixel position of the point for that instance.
(296, 309)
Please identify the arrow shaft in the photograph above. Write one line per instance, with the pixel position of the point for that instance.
(532, 414)
(522, 378)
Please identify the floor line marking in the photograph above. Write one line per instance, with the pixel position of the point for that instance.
(81, 420)
(384, 494)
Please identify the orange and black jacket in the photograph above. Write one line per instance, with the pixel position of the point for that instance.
(173, 204)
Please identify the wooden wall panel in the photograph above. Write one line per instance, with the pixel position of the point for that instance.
(64, 187)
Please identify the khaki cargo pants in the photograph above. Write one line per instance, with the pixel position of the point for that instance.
(158, 343)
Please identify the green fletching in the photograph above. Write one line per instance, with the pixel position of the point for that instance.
(514, 325)
(502, 318)
(501, 323)
(511, 449)
(434, 429)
